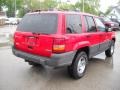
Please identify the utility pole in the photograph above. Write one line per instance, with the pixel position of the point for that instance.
(15, 7)
(82, 5)
(40, 5)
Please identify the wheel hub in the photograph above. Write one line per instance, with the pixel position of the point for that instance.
(112, 49)
(81, 65)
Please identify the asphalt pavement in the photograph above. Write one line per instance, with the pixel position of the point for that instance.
(102, 74)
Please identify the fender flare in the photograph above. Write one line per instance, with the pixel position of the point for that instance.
(81, 45)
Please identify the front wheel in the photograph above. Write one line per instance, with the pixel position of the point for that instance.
(109, 52)
(78, 67)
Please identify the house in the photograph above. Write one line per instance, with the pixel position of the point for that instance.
(115, 12)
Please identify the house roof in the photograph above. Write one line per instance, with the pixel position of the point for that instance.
(118, 10)
(115, 7)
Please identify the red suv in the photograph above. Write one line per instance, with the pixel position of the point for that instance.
(56, 39)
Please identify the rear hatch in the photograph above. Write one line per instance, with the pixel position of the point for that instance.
(34, 33)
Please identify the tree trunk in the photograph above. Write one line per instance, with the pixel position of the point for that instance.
(0, 8)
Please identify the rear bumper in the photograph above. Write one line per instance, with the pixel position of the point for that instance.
(56, 60)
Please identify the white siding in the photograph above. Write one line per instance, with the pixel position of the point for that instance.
(114, 13)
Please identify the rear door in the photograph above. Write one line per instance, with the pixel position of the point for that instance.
(92, 35)
(73, 30)
(34, 33)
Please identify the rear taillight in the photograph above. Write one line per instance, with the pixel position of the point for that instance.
(59, 45)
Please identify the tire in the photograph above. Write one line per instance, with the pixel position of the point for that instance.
(109, 52)
(76, 70)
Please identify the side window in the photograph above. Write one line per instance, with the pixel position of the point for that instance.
(86, 23)
(73, 23)
(91, 24)
(99, 24)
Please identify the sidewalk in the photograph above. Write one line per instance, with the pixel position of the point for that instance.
(6, 34)
(8, 29)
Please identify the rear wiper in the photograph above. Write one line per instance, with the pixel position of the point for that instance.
(34, 33)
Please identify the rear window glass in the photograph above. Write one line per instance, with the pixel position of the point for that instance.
(39, 23)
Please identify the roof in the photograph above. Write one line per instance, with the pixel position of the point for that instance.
(117, 8)
(62, 12)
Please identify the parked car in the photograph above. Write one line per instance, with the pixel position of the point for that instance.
(13, 21)
(7, 21)
(116, 20)
(57, 39)
(109, 23)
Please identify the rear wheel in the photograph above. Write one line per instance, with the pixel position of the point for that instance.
(109, 52)
(78, 67)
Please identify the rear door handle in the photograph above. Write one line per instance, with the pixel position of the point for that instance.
(88, 36)
(101, 35)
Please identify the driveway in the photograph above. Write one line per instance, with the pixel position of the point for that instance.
(102, 74)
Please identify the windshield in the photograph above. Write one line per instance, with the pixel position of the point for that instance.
(107, 20)
(39, 23)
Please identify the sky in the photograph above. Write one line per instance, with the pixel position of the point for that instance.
(104, 4)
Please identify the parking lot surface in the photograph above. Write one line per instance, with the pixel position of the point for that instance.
(102, 74)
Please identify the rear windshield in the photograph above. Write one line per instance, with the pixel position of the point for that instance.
(39, 23)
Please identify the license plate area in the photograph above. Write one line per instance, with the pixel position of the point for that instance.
(31, 42)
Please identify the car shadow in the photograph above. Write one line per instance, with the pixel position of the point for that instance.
(107, 61)
(48, 73)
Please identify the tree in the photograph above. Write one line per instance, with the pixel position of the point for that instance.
(24, 6)
(41, 4)
(2, 3)
(48, 4)
(90, 6)
(65, 6)
(10, 5)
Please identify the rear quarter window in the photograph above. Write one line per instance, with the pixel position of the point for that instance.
(73, 23)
